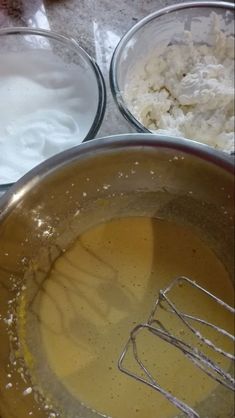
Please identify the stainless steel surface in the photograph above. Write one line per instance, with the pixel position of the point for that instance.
(153, 30)
(157, 328)
(38, 219)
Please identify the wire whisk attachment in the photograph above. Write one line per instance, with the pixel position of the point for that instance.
(154, 326)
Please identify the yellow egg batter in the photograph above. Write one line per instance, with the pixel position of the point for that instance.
(100, 288)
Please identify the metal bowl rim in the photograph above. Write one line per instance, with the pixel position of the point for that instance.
(106, 145)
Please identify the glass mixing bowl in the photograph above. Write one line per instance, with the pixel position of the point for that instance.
(33, 64)
(159, 29)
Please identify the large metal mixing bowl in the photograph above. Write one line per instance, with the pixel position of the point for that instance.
(131, 174)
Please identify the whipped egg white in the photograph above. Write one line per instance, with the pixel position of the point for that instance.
(46, 106)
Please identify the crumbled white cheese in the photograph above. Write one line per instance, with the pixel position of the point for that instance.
(188, 90)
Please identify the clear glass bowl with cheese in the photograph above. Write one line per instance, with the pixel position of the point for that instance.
(173, 73)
